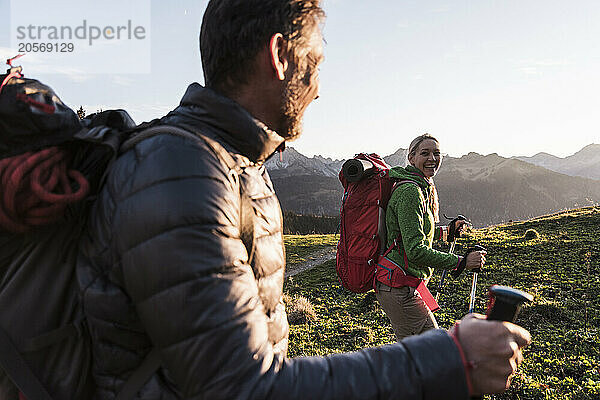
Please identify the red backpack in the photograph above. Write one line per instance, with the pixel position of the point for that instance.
(367, 189)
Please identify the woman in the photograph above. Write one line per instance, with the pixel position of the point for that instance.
(410, 220)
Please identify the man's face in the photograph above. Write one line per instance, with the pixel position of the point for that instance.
(301, 88)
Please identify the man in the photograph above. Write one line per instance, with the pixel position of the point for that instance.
(185, 255)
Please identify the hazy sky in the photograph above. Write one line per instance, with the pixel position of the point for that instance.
(509, 77)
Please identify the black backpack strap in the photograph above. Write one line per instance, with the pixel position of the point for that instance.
(19, 372)
(25, 380)
(140, 376)
(15, 366)
(52, 337)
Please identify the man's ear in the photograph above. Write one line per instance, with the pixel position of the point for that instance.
(278, 56)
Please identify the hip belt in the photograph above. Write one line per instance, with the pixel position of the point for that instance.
(391, 274)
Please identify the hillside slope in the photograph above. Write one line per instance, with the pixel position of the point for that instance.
(561, 268)
(492, 189)
(585, 163)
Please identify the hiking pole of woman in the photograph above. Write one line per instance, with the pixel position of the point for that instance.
(474, 283)
(452, 228)
(456, 272)
(444, 272)
(473, 290)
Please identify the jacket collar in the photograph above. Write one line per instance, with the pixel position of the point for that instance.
(416, 172)
(235, 125)
(410, 173)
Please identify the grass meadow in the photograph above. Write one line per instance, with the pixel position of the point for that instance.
(555, 258)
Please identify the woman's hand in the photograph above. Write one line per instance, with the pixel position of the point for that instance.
(476, 259)
(456, 227)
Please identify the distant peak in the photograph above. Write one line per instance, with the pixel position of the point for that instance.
(399, 151)
(590, 147)
(472, 154)
(291, 150)
(589, 151)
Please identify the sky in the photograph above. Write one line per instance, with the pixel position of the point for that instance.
(513, 77)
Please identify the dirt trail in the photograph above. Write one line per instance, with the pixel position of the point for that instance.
(313, 259)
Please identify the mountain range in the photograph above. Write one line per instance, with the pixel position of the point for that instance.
(585, 163)
(489, 189)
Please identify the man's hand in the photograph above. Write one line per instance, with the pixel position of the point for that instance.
(494, 349)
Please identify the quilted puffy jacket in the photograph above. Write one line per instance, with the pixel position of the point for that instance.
(172, 261)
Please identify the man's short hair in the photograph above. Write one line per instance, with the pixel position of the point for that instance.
(234, 31)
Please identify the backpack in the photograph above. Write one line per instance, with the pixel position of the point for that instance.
(361, 252)
(52, 165)
(367, 189)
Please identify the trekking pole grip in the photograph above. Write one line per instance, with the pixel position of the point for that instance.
(504, 304)
(452, 234)
(463, 263)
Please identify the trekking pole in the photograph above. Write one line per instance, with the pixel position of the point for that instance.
(476, 271)
(504, 304)
(444, 272)
(473, 290)
(451, 251)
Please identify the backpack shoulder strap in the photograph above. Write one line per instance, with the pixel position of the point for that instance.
(398, 239)
(19, 372)
(401, 182)
(140, 376)
(12, 362)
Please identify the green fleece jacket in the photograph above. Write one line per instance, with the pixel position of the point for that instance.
(408, 212)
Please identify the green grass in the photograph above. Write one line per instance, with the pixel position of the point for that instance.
(298, 247)
(560, 268)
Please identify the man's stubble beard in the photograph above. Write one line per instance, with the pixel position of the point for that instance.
(294, 95)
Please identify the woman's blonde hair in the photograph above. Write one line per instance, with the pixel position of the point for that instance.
(412, 149)
(434, 204)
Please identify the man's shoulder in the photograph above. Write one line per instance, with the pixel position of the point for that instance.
(148, 140)
(164, 156)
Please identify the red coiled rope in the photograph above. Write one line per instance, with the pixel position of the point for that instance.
(36, 189)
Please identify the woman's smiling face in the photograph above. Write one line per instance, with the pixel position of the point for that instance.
(427, 157)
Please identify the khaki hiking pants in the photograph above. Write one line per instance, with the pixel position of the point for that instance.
(406, 310)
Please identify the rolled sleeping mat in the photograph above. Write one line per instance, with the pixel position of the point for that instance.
(354, 170)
